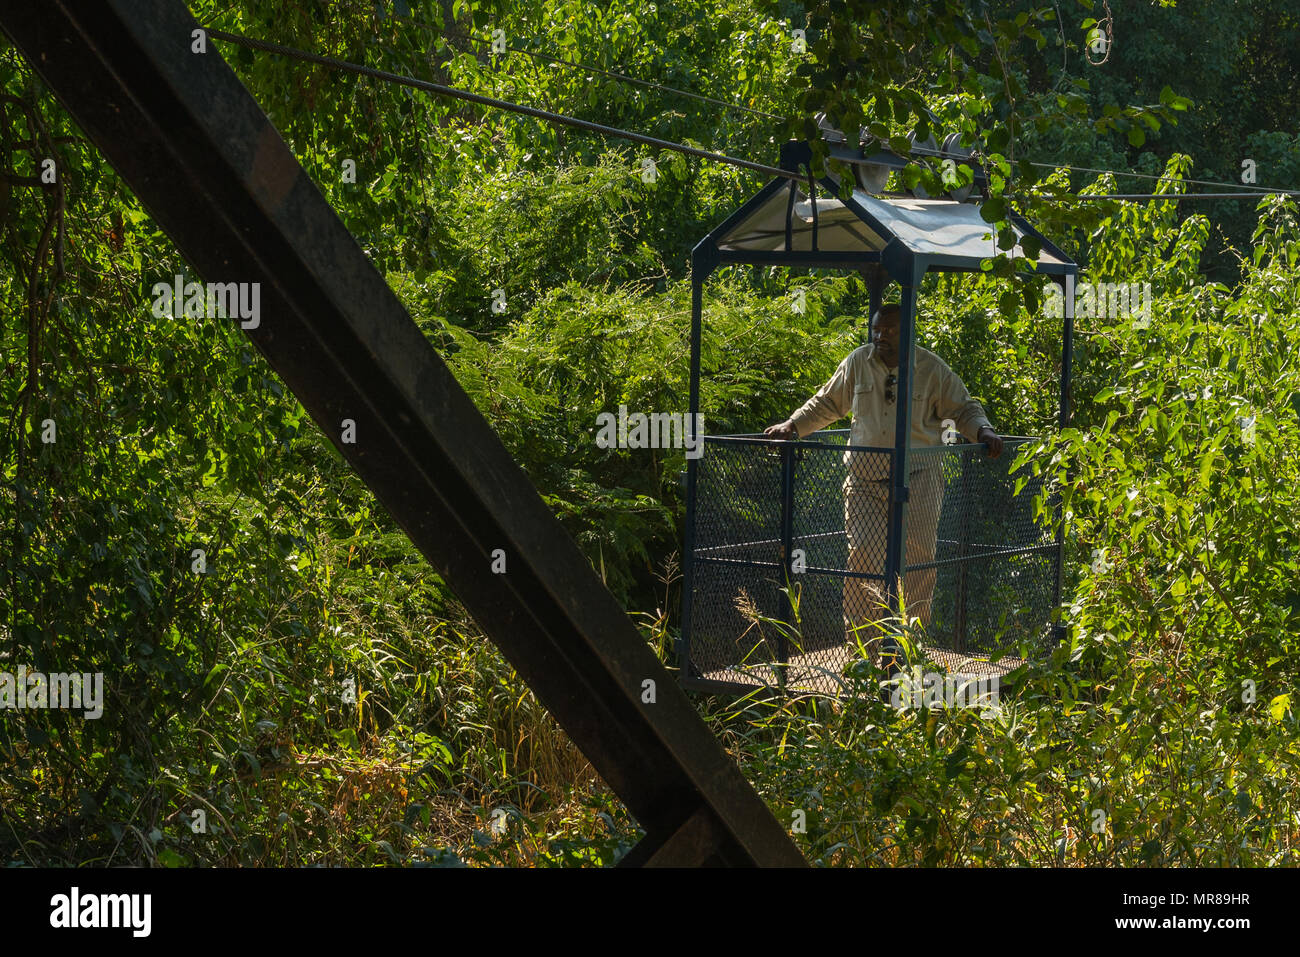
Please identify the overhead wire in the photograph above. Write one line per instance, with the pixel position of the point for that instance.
(774, 116)
(740, 106)
(563, 119)
(1246, 189)
(586, 68)
(623, 77)
(1171, 197)
(1170, 179)
(495, 103)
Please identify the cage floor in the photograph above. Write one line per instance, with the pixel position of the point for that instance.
(822, 671)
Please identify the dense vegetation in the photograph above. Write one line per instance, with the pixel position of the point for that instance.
(320, 696)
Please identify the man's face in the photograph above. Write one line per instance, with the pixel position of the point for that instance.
(884, 334)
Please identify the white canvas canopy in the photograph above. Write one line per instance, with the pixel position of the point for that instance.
(927, 227)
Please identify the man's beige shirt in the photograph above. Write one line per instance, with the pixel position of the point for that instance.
(858, 387)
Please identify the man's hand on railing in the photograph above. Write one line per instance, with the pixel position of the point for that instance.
(784, 430)
(992, 441)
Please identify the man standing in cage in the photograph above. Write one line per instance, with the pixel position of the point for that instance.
(866, 385)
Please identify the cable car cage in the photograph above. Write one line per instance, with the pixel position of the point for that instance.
(767, 524)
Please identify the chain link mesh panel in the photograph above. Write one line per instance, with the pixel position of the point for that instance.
(979, 572)
(994, 566)
(737, 558)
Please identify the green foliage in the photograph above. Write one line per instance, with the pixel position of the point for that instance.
(323, 699)
(1107, 759)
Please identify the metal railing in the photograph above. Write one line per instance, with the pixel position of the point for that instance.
(794, 532)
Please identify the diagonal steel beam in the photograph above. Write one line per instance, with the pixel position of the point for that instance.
(216, 175)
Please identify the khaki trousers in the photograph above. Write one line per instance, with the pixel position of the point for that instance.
(866, 524)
